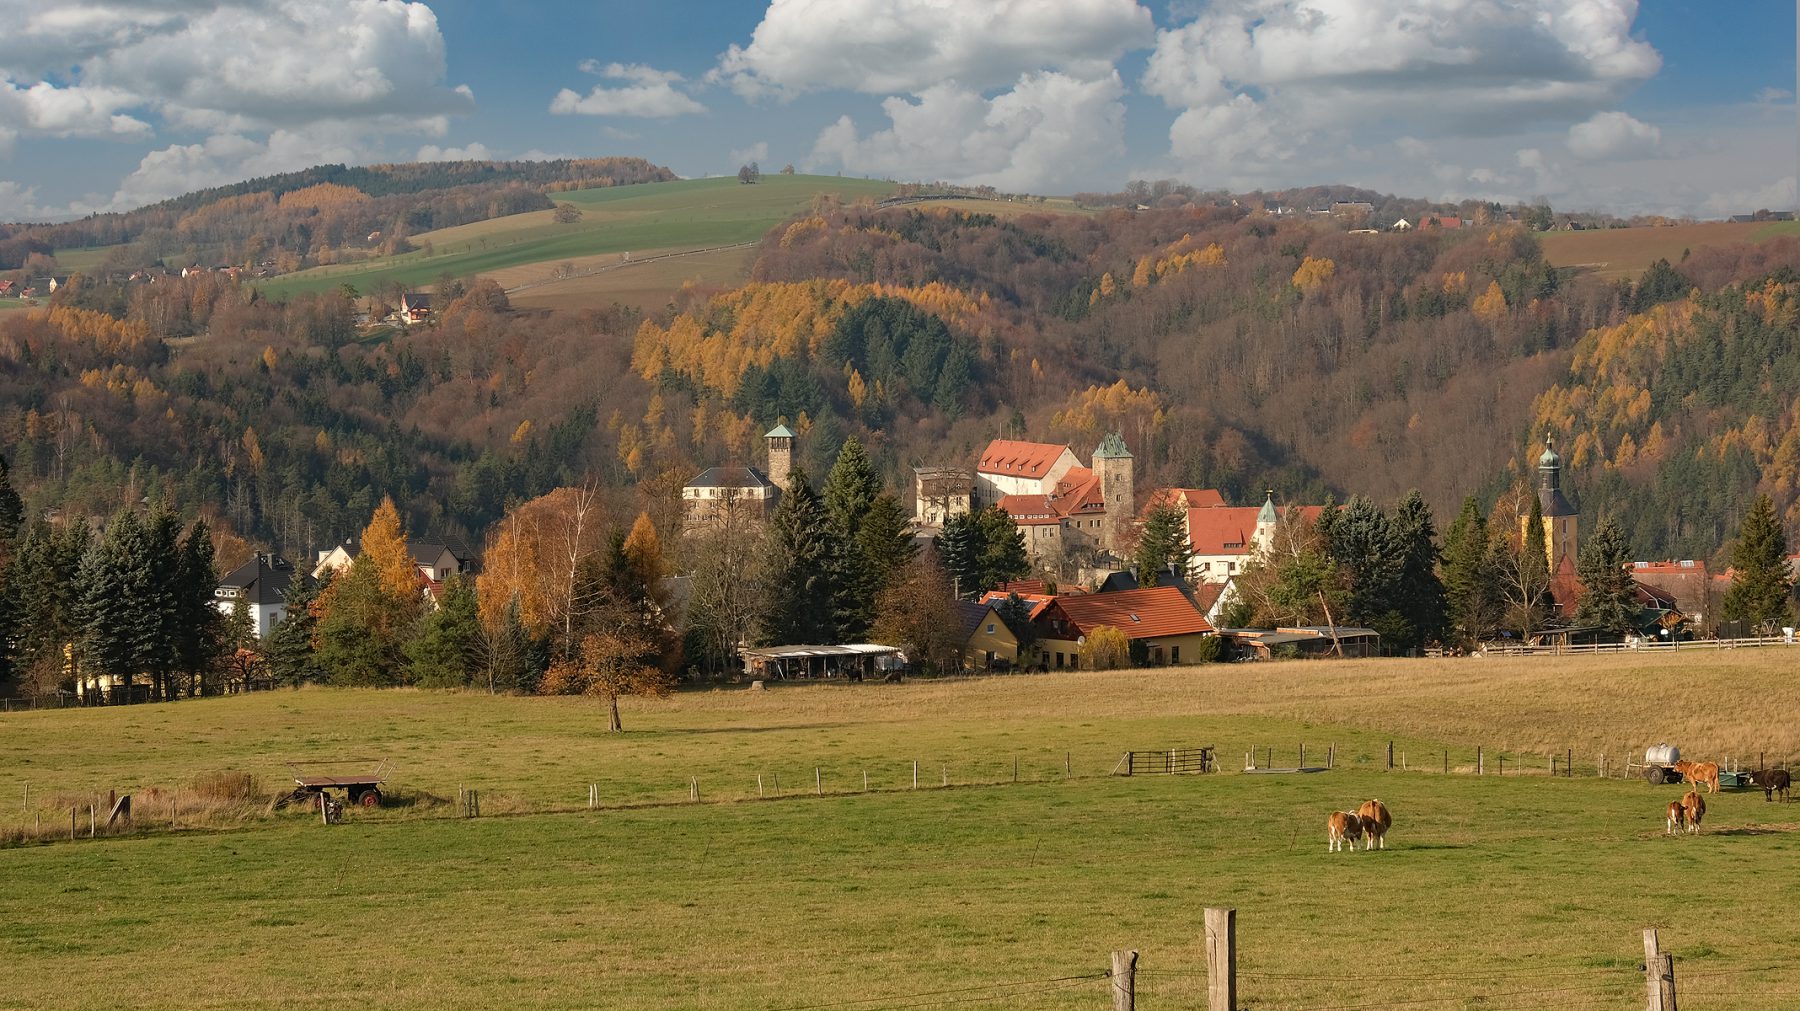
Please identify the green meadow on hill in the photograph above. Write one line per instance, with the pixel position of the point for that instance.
(1520, 885)
(688, 214)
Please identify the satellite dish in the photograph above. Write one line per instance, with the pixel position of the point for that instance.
(1081, 640)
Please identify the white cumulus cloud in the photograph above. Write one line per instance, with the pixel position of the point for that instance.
(1611, 136)
(474, 151)
(1049, 132)
(649, 94)
(884, 47)
(757, 152)
(1262, 83)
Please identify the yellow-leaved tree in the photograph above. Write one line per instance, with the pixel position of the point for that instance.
(1106, 648)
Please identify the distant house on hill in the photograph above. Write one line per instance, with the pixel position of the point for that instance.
(415, 307)
(716, 489)
(1055, 501)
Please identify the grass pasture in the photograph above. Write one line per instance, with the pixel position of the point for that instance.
(807, 900)
(1625, 253)
(687, 214)
(645, 282)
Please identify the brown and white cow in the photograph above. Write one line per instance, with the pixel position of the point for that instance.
(1694, 807)
(1677, 818)
(1700, 772)
(1342, 827)
(1375, 822)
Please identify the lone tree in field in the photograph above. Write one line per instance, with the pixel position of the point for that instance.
(749, 174)
(566, 214)
(615, 659)
(1761, 589)
(1608, 595)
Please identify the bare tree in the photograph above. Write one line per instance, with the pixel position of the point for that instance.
(725, 603)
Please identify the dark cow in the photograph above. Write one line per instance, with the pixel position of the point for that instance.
(1772, 781)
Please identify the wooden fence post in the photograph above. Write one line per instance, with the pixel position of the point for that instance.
(1302, 762)
(1446, 761)
(1221, 959)
(71, 824)
(1569, 763)
(1480, 762)
(915, 774)
(759, 786)
(693, 789)
(818, 783)
(1124, 980)
(1068, 765)
(1390, 756)
(1659, 974)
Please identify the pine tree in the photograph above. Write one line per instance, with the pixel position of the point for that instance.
(799, 579)
(12, 510)
(197, 634)
(1003, 557)
(1364, 545)
(290, 648)
(851, 491)
(885, 543)
(960, 545)
(1608, 596)
(1761, 588)
(1419, 594)
(1469, 576)
(115, 592)
(445, 652)
(1162, 544)
(165, 600)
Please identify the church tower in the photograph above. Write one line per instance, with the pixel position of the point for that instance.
(1114, 466)
(1560, 540)
(781, 455)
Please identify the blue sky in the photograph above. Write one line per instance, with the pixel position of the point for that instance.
(1674, 106)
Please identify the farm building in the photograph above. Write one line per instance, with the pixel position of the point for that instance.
(1302, 641)
(852, 660)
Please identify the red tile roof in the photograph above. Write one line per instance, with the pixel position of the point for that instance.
(1187, 498)
(1207, 594)
(1140, 614)
(1019, 459)
(1077, 494)
(1030, 510)
(1228, 530)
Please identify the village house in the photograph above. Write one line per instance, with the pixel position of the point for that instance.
(415, 307)
(1226, 538)
(1163, 626)
(262, 585)
(988, 643)
(436, 562)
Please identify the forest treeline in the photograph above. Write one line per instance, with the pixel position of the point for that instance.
(1232, 349)
(326, 214)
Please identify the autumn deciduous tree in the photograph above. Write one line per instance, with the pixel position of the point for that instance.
(533, 561)
(918, 614)
(613, 660)
(367, 615)
(1107, 648)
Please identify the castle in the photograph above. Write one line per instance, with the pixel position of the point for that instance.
(1057, 503)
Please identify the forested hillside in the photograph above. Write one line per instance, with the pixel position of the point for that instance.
(1677, 417)
(1231, 348)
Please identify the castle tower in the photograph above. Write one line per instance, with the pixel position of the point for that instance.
(781, 455)
(1559, 516)
(1114, 466)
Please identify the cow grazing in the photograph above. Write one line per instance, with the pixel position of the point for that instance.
(1772, 781)
(1342, 827)
(1677, 818)
(1700, 772)
(1375, 822)
(1693, 806)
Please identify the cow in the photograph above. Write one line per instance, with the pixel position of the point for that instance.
(1772, 781)
(1693, 806)
(1677, 818)
(1341, 827)
(1700, 772)
(1375, 822)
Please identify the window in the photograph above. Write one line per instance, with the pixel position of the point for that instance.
(1174, 654)
(1059, 659)
(990, 628)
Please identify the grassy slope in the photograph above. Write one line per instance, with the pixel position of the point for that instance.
(691, 213)
(853, 896)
